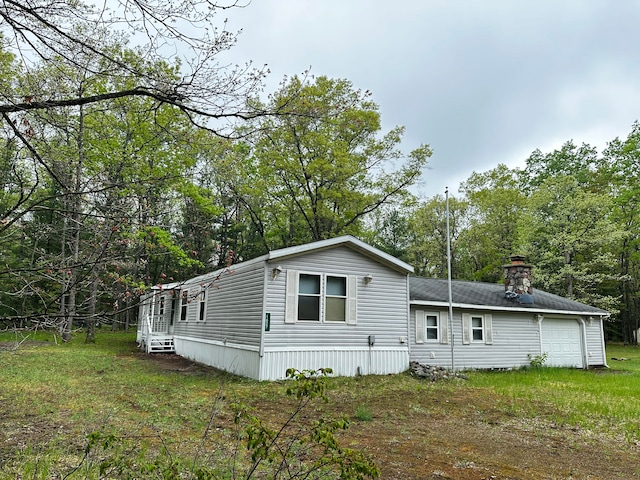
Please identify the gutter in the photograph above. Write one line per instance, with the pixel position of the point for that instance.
(469, 306)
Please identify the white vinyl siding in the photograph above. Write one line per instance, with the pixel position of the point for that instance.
(376, 308)
(233, 307)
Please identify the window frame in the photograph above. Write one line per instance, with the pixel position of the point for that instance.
(184, 306)
(441, 328)
(317, 296)
(293, 294)
(202, 305)
(475, 329)
(468, 328)
(326, 296)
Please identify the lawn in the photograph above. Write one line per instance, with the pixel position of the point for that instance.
(171, 417)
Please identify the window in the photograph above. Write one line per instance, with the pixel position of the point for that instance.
(184, 304)
(202, 304)
(320, 298)
(336, 299)
(174, 308)
(477, 328)
(431, 326)
(309, 297)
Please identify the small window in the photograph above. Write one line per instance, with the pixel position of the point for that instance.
(336, 299)
(184, 304)
(428, 326)
(202, 304)
(431, 327)
(309, 297)
(477, 329)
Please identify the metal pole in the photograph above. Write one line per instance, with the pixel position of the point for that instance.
(446, 192)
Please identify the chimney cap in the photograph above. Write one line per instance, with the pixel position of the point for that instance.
(517, 259)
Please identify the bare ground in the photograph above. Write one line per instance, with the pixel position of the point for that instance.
(463, 436)
(467, 437)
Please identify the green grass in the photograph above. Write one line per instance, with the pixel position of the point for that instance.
(597, 399)
(53, 395)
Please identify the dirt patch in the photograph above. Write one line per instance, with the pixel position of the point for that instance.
(466, 435)
(170, 362)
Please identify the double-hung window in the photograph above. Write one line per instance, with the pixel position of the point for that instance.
(314, 297)
(431, 327)
(477, 328)
(202, 304)
(184, 305)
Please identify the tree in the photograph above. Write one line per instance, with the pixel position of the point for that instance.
(570, 238)
(319, 170)
(428, 250)
(52, 31)
(496, 202)
(64, 34)
(578, 162)
(619, 172)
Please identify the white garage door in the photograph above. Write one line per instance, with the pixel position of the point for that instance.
(561, 341)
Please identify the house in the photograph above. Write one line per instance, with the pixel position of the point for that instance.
(344, 304)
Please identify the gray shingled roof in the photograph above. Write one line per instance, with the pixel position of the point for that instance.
(490, 295)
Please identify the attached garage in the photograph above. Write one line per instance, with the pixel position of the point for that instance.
(561, 340)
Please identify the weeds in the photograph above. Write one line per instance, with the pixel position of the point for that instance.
(364, 413)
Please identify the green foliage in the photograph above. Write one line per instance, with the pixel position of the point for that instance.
(302, 447)
(317, 170)
(364, 413)
(538, 361)
(304, 444)
(428, 247)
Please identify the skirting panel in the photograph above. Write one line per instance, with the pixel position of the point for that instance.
(231, 359)
(347, 362)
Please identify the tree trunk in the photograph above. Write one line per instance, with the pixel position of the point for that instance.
(93, 300)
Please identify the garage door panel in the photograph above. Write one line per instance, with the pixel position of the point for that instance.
(561, 341)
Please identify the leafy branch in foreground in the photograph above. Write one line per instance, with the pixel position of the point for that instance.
(305, 445)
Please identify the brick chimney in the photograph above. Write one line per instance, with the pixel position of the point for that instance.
(517, 276)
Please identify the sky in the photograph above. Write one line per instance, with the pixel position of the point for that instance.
(482, 82)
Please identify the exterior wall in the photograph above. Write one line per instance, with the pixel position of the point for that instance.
(347, 362)
(381, 312)
(595, 343)
(233, 308)
(229, 336)
(515, 336)
(236, 359)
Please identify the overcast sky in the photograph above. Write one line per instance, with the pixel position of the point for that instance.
(482, 82)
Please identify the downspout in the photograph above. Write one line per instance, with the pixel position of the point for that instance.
(540, 318)
(604, 351)
(585, 353)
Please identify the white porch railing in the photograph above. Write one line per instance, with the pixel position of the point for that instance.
(155, 342)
